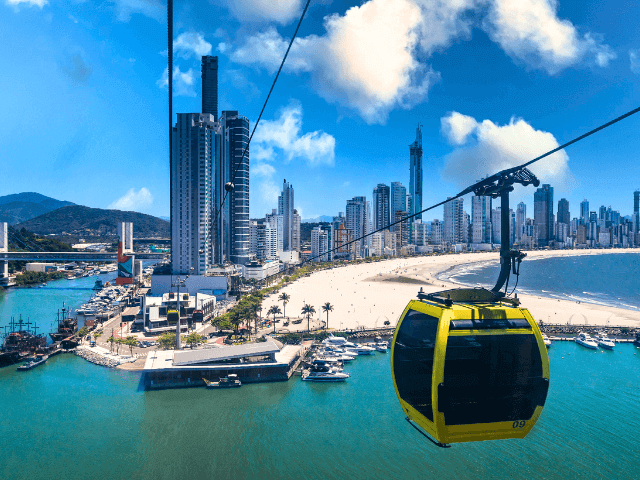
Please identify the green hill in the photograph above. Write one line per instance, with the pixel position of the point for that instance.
(20, 207)
(76, 220)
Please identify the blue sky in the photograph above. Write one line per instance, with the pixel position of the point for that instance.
(492, 82)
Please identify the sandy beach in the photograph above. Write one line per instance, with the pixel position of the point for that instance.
(370, 293)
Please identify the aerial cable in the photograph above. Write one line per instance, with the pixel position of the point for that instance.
(481, 184)
(16, 234)
(15, 240)
(229, 187)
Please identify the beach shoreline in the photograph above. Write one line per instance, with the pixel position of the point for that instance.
(368, 294)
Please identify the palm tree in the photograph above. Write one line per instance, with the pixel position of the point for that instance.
(285, 299)
(274, 310)
(327, 307)
(308, 310)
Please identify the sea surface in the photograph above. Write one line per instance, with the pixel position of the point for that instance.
(75, 420)
(607, 279)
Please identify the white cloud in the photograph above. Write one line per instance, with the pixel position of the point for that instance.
(267, 48)
(263, 170)
(155, 9)
(530, 30)
(134, 201)
(283, 136)
(457, 127)
(281, 11)
(222, 47)
(191, 44)
(31, 3)
(373, 58)
(634, 60)
(488, 148)
(183, 82)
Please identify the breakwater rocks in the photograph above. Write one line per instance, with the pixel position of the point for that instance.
(371, 332)
(97, 358)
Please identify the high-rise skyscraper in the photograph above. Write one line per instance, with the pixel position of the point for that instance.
(415, 175)
(636, 201)
(285, 208)
(235, 129)
(453, 221)
(481, 219)
(381, 214)
(295, 232)
(543, 214)
(196, 149)
(584, 211)
(563, 211)
(210, 85)
(398, 199)
(521, 219)
(359, 221)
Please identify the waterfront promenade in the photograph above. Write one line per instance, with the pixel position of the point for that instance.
(368, 294)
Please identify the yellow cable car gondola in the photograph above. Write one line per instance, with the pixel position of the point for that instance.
(470, 364)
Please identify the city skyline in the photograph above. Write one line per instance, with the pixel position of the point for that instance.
(320, 136)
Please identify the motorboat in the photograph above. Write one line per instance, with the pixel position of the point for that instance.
(585, 340)
(546, 340)
(337, 342)
(382, 346)
(325, 373)
(605, 342)
(360, 350)
(38, 360)
(230, 381)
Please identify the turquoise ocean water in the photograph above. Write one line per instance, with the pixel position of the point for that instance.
(72, 419)
(609, 279)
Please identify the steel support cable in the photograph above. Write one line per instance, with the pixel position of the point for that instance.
(16, 241)
(244, 153)
(471, 189)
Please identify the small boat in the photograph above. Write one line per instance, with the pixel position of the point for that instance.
(546, 340)
(39, 360)
(585, 340)
(230, 381)
(605, 342)
(332, 341)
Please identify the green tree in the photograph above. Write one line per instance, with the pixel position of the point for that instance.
(167, 341)
(327, 307)
(131, 342)
(97, 335)
(119, 342)
(285, 299)
(83, 332)
(274, 310)
(111, 340)
(194, 339)
(308, 310)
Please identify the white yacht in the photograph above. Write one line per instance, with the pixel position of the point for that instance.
(605, 342)
(359, 350)
(546, 340)
(323, 374)
(382, 346)
(337, 342)
(585, 340)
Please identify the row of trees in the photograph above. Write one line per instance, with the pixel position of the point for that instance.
(167, 341)
(307, 310)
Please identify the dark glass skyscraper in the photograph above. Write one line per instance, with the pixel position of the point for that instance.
(210, 85)
(415, 175)
(563, 211)
(235, 129)
(381, 213)
(543, 214)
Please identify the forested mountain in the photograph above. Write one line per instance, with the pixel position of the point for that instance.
(20, 207)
